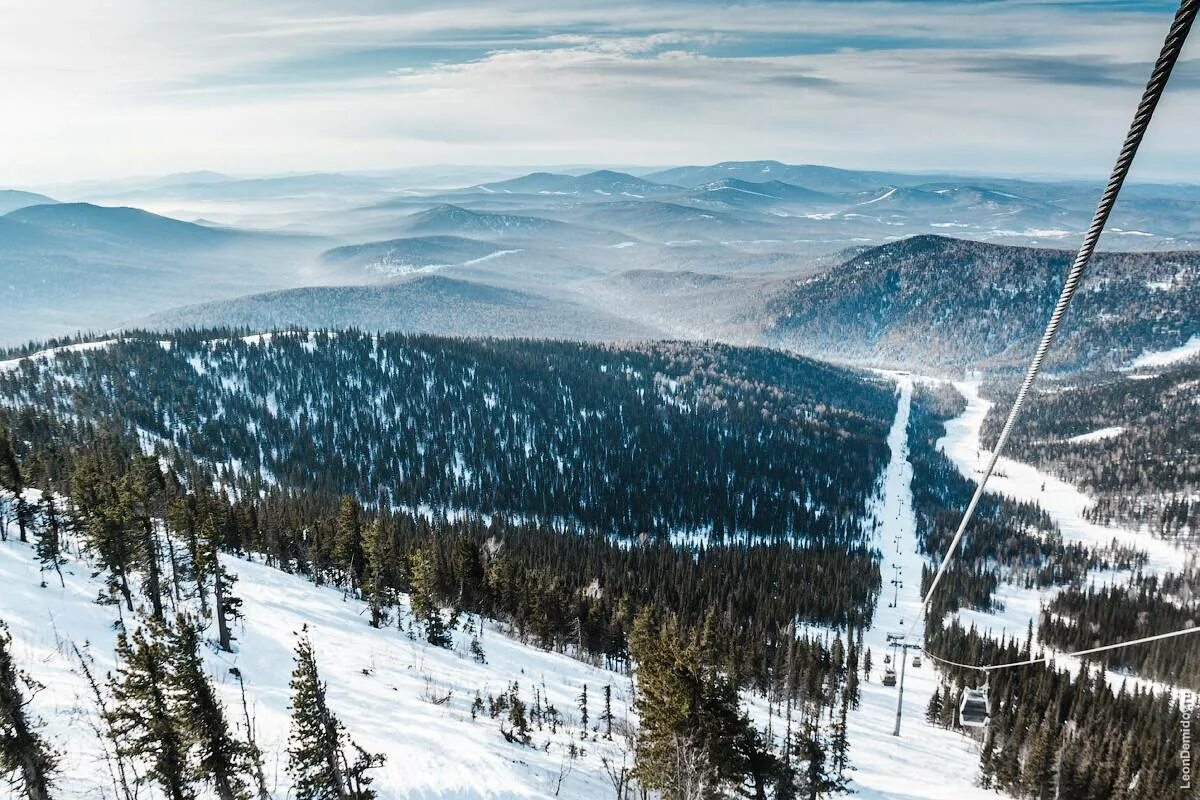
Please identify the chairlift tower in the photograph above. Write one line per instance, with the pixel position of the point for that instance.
(897, 641)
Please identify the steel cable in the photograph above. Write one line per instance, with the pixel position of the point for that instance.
(1171, 49)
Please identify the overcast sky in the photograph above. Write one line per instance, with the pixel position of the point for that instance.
(95, 88)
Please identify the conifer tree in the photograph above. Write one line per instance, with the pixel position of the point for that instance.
(422, 571)
(347, 547)
(12, 481)
(96, 506)
(606, 716)
(317, 757)
(934, 710)
(49, 538)
(26, 761)
(141, 716)
(216, 758)
(379, 576)
(583, 710)
(142, 493)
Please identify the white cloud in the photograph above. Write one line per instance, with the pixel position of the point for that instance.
(138, 87)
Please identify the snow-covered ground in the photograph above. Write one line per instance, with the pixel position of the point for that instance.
(380, 683)
(1066, 505)
(81, 347)
(925, 761)
(1162, 358)
(1063, 502)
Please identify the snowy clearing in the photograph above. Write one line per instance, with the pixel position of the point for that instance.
(1162, 358)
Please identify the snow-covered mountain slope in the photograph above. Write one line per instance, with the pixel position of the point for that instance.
(396, 695)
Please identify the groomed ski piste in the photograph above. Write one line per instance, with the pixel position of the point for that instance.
(1065, 504)
(925, 761)
(396, 695)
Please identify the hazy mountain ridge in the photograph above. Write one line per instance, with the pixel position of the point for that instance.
(956, 303)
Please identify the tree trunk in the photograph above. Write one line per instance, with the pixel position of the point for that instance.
(219, 603)
(153, 584)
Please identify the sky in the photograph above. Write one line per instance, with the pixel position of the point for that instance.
(98, 89)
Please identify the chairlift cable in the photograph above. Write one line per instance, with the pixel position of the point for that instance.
(1049, 658)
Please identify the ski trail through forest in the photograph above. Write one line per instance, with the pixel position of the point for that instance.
(925, 761)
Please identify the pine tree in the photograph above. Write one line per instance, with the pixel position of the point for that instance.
(423, 598)
(1037, 776)
(347, 547)
(380, 573)
(141, 716)
(467, 563)
(215, 757)
(583, 710)
(933, 711)
(12, 481)
(25, 759)
(317, 746)
(606, 717)
(141, 496)
(49, 538)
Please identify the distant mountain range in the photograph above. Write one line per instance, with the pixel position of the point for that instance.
(420, 303)
(756, 251)
(13, 199)
(401, 256)
(69, 266)
(592, 185)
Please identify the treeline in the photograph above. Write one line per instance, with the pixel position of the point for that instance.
(1056, 735)
(661, 439)
(1078, 619)
(1143, 464)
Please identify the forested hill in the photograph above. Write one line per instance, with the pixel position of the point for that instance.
(662, 439)
(931, 301)
(1130, 439)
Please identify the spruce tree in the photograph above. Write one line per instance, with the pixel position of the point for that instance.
(347, 547)
(317, 757)
(583, 710)
(141, 717)
(422, 570)
(49, 538)
(12, 481)
(606, 716)
(26, 760)
(216, 758)
(934, 710)
(380, 573)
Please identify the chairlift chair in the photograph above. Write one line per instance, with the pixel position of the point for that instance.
(973, 711)
(917, 662)
(889, 677)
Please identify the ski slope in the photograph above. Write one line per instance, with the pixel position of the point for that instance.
(1063, 502)
(381, 684)
(1066, 505)
(925, 761)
